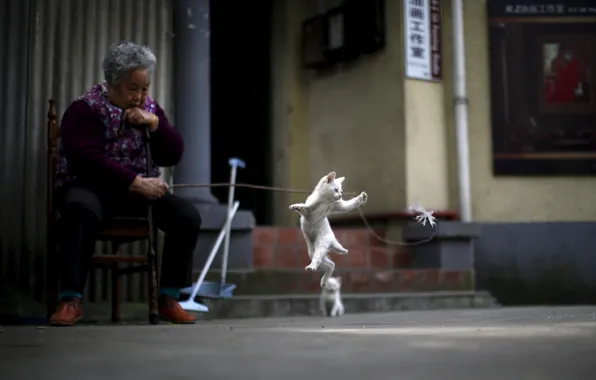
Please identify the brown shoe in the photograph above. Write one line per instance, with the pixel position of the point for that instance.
(171, 311)
(69, 312)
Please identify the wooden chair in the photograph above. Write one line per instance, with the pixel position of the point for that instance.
(116, 230)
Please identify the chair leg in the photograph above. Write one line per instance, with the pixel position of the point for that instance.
(115, 274)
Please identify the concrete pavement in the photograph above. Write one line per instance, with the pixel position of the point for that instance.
(540, 343)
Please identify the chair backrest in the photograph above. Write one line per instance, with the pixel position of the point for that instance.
(53, 135)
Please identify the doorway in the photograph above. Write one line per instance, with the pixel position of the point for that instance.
(240, 104)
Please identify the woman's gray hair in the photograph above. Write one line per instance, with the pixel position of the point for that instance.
(124, 57)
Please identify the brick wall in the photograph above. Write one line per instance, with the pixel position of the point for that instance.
(284, 248)
(370, 266)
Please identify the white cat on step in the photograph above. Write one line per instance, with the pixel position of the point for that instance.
(326, 199)
(330, 300)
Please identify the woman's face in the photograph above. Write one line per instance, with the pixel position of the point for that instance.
(132, 90)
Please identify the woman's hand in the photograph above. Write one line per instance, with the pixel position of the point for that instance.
(141, 117)
(150, 188)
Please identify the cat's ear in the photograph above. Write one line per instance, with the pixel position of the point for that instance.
(340, 180)
(330, 177)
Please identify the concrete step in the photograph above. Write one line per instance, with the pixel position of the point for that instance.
(299, 281)
(306, 304)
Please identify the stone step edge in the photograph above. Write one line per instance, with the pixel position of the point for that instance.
(136, 312)
(355, 303)
(310, 296)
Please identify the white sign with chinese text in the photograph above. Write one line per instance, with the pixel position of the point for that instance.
(422, 31)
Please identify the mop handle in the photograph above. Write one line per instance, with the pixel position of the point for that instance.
(235, 163)
(214, 250)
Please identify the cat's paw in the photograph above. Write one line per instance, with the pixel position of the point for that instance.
(363, 197)
(296, 207)
(312, 266)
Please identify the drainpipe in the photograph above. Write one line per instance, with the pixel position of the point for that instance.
(461, 112)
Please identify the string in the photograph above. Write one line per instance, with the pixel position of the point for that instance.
(421, 215)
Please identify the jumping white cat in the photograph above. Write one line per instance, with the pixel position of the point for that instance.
(326, 199)
(330, 300)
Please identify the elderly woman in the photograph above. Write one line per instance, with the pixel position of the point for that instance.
(102, 170)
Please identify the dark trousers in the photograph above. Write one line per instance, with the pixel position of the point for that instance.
(81, 214)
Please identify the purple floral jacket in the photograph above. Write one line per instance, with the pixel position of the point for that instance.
(96, 150)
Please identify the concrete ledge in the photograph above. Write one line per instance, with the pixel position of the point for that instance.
(452, 247)
(538, 263)
(296, 305)
(305, 304)
(444, 230)
(241, 239)
(214, 217)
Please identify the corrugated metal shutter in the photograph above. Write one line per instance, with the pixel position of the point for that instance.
(53, 49)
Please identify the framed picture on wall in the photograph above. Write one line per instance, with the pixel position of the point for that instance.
(542, 80)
